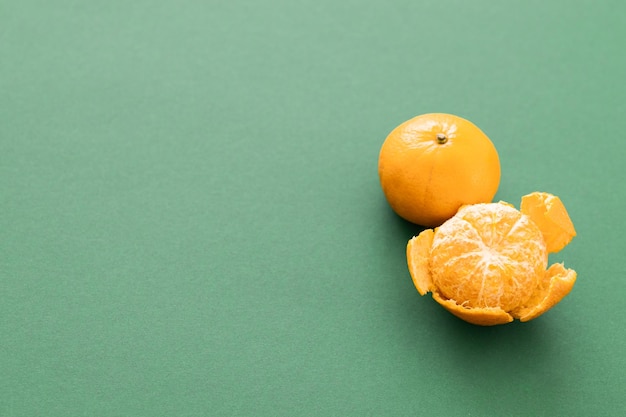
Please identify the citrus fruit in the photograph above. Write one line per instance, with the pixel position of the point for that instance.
(487, 264)
(431, 165)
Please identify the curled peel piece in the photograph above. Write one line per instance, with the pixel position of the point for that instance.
(558, 282)
(549, 214)
(486, 316)
(417, 254)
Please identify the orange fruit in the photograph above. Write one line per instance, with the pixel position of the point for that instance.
(487, 264)
(433, 164)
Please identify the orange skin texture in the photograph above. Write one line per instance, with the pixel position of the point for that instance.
(425, 181)
(487, 264)
(548, 212)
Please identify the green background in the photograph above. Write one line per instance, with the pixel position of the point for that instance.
(191, 221)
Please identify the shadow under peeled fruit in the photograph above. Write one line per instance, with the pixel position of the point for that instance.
(488, 264)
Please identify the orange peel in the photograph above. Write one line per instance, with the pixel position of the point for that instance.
(488, 264)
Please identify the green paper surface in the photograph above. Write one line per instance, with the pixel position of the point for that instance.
(191, 222)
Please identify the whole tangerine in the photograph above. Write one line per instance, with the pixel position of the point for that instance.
(431, 165)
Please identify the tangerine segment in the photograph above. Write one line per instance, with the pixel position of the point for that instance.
(488, 256)
(417, 254)
(490, 316)
(558, 282)
(548, 212)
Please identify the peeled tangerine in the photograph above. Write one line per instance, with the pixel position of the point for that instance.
(487, 264)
